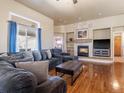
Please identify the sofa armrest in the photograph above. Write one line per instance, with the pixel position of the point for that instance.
(1, 53)
(60, 57)
(53, 85)
(75, 58)
(16, 81)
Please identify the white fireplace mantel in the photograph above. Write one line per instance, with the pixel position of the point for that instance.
(84, 44)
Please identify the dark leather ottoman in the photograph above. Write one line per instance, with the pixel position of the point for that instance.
(71, 68)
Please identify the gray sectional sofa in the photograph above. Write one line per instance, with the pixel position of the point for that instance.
(15, 80)
(65, 57)
(57, 57)
(33, 56)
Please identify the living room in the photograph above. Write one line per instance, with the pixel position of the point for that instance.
(61, 46)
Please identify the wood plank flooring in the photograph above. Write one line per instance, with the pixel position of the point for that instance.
(104, 80)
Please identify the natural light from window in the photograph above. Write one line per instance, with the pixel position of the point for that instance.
(26, 38)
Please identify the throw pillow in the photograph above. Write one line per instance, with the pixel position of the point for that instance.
(39, 69)
(18, 55)
(49, 54)
(3, 54)
(28, 55)
(37, 55)
(44, 55)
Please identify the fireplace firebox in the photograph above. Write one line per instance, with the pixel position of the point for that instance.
(83, 51)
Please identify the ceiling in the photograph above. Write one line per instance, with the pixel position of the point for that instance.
(65, 12)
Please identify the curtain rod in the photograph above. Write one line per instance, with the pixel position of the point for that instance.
(24, 25)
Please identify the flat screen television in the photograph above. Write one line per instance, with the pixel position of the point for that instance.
(101, 44)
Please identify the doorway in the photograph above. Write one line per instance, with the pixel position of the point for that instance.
(118, 49)
(117, 46)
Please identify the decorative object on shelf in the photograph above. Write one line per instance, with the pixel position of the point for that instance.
(70, 42)
(71, 39)
(82, 33)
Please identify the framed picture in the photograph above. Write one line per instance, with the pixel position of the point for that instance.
(82, 33)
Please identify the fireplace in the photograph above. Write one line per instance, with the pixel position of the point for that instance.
(83, 51)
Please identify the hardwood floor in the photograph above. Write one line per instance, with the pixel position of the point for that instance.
(119, 59)
(105, 79)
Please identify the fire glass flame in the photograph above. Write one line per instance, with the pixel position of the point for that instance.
(82, 50)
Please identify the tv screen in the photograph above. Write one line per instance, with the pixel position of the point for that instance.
(101, 44)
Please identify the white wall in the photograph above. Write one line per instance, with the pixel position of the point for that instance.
(107, 22)
(59, 29)
(7, 6)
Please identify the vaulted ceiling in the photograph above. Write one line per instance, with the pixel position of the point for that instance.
(65, 12)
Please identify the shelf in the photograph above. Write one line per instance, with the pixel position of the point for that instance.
(70, 46)
(70, 42)
(70, 33)
(83, 40)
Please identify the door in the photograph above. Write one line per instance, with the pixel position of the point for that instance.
(117, 46)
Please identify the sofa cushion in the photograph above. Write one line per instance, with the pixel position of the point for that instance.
(39, 69)
(3, 54)
(56, 51)
(5, 64)
(53, 62)
(14, 80)
(49, 54)
(44, 55)
(37, 55)
(28, 55)
(53, 85)
(18, 55)
(8, 59)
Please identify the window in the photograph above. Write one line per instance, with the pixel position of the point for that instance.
(58, 42)
(26, 38)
